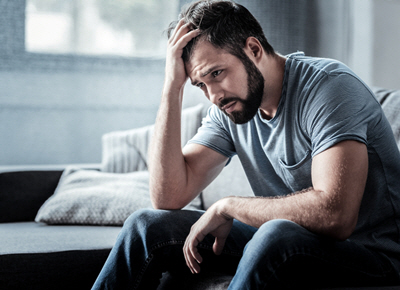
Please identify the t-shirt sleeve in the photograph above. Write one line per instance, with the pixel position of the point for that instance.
(214, 133)
(339, 108)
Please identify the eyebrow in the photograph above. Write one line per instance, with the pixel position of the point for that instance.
(207, 72)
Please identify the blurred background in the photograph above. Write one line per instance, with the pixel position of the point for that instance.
(73, 70)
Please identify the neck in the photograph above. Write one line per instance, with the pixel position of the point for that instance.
(273, 72)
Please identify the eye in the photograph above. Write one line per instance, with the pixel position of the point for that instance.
(200, 85)
(216, 73)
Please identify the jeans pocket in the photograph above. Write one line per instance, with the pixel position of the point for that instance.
(297, 176)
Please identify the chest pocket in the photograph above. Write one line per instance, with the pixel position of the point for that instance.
(297, 176)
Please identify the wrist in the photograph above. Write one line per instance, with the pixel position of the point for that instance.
(173, 88)
(224, 207)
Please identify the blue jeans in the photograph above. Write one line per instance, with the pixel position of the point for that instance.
(280, 254)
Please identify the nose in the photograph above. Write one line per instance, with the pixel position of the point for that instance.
(215, 94)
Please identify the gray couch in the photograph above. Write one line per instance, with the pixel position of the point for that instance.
(35, 255)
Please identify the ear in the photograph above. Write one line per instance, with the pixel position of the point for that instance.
(253, 48)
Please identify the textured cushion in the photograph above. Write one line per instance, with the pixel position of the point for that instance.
(126, 151)
(96, 198)
(390, 101)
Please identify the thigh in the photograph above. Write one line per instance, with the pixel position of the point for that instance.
(283, 254)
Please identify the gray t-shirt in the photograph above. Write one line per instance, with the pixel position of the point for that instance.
(322, 103)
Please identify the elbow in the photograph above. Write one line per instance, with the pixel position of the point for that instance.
(157, 204)
(167, 196)
(160, 200)
(342, 228)
(341, 233)
(161, 189)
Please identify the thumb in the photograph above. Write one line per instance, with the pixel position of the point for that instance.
(218, 245)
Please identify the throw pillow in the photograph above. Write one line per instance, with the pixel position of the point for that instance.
(95, 198)
(390, 101)
(126, 151)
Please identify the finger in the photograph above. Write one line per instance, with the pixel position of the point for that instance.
(181, 29)
(188, 258)
(188, 264)
(193, 265)
(184, 40)
(177, 27)
(195, 254)
(191, 262)
(192, 256)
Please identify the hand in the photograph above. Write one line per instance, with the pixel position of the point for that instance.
(212, 222)
(175, 74)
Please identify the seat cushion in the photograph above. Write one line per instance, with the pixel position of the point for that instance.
(38, 256)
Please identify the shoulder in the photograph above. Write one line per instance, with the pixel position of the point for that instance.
(308, 72)
(319, 79)
(301, 62)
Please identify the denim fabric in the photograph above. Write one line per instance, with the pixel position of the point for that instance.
(280, 254)
(284, 255)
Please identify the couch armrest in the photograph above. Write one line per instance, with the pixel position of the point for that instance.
(23, 192)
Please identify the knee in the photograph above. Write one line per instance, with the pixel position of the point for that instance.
(279, 229)
(143, 221)
(277, 236)
(141, 218)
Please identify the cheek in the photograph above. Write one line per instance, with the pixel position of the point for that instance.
(236, 86)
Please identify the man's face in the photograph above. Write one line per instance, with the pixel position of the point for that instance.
(222, 77)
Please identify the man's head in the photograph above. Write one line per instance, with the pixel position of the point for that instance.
(227, 27)
(224, 24)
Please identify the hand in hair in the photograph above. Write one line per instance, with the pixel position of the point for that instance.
(175, 74)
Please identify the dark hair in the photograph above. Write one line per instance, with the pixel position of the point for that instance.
(225, 24)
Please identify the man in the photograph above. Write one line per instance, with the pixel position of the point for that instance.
(319, 154)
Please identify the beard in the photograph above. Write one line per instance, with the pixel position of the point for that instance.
(255, 92)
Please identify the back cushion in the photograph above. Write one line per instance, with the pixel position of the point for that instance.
(390, 101)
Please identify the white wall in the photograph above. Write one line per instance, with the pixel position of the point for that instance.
(386, 43)
(53, 117)
(375, 42)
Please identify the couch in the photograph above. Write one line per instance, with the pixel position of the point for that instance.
(57, 227)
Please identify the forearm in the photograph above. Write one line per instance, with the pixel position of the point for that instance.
(166, 162)
(314, 210)
(167, 165)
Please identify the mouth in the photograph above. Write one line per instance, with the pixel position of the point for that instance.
(228, 108)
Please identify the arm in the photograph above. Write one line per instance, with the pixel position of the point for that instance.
(329, 208)
(177, 176)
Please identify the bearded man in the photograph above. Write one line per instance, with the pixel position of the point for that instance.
(315, 145)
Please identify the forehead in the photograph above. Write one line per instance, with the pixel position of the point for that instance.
(205, 56)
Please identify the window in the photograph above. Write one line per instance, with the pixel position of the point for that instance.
(99, 27)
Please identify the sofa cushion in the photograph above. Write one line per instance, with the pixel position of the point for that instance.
(126, 151)
(96, 198)
(52, 257)
(390, 102)
(32, 237)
